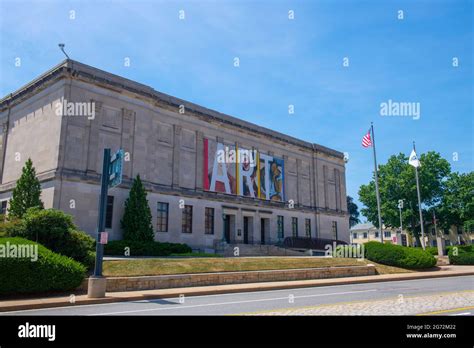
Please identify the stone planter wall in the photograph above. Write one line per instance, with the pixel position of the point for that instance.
(206, 279)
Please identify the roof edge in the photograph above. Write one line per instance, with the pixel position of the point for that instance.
(72, 67)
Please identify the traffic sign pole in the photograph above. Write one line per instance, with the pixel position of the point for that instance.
(111, 177)
(102, 208)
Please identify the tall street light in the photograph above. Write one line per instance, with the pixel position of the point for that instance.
(400, 207)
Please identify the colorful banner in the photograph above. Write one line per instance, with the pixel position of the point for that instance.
(241, 171)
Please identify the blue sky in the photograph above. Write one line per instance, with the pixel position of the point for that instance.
(282, 62)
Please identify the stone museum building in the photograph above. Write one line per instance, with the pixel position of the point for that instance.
(209, 176)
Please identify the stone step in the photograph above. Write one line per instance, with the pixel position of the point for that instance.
(442, 260)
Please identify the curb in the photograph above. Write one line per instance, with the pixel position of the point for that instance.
(248, 287)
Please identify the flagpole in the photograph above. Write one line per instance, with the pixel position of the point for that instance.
(419, 203)
(376, 183)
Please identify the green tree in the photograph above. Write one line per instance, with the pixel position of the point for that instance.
(26, 193)
(136, 222)
(397, 181)
(353, 211)
(457, 202)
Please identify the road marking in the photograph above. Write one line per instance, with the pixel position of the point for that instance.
(437, 279)
(465, 313)
(233, 302)
(355, 302)
(447, 310)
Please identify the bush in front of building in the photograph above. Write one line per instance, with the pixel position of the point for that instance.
(79, 246)
(49, 272)
(26, 193)
(461, 255)
(56, 231)
(138, 248)
(399, 256)
(434, 250)
(10, 227)
(136, 221)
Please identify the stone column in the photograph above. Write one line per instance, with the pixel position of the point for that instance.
(199, 160)
(3, 147)
(299, 184)
(93, 146)
(285, 177)
(176, 152)
(127, 140)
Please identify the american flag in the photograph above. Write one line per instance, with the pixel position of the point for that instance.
(366, 140)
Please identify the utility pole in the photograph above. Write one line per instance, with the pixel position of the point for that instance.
(377, 183)
(419, 196)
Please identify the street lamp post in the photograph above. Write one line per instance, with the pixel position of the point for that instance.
(400, 207)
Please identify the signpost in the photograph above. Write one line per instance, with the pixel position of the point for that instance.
(111, 176)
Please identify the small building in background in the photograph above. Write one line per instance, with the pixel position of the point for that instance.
(366, 232)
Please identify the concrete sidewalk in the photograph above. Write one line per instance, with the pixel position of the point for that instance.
(62, 301)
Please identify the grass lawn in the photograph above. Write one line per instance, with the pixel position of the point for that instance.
(163, 266)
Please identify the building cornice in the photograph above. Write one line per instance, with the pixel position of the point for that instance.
(75, 70)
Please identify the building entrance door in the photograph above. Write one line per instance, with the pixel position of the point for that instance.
(227, 228)
(246, 230)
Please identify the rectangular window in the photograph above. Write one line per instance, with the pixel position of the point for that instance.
(3, 208)
(387, 234)
(209, 221)
(354, 235)
(334, 230)
(281, 228)
(187, 220)
(162, 217)
(294, 226)
(376, 234)
(365, 235)
(434, 243)
(109, 212)
(307, 227)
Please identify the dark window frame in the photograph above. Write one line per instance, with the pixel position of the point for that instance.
(3, 207)
(294, 226)
(281, 226)
(162, 217)
(334, 230)
(209, 215)
(187, 219)
(307, 227)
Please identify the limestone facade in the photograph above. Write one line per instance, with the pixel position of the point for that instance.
(163, 138)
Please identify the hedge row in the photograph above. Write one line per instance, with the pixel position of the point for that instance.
(463, 255)
(50, 272)
(56, 231)
(137, 248)
(399, 256)
(434, 250)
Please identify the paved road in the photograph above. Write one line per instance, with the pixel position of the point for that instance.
(384, 298)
